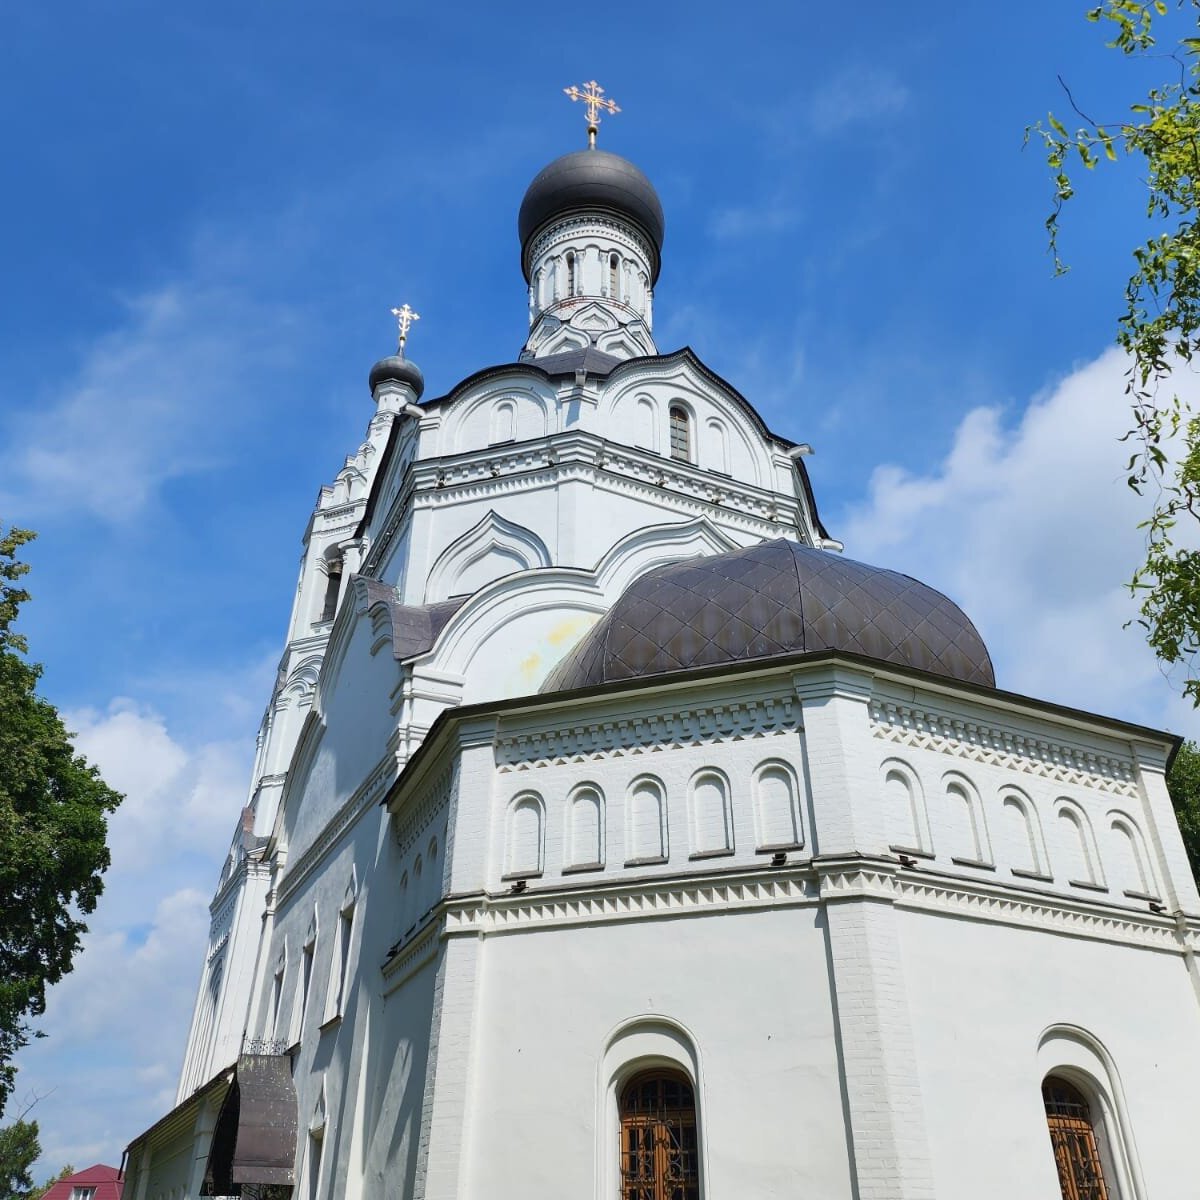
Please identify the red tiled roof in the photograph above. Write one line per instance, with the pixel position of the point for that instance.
(106, 1180)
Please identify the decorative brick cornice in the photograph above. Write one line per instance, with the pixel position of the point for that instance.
(701, 724)
(494, 472)
(623, 902)
(1002, 746)
(404, 963)
(414, 818)
(803, 884)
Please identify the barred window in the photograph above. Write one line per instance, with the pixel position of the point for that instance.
(659, 1147)
(1073, 1137)
(681, 434)
(570, 273)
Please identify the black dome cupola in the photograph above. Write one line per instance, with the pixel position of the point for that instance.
(592, 181)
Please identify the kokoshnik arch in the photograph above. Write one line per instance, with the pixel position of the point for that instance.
(611, 835)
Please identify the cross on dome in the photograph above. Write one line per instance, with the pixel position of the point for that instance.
(404, 319)
(592, 95)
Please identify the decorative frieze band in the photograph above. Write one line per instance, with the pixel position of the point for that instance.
(651, 898)
(802, 884)
(412, 820)
(599, 740)
(799, 885)
(998, 746)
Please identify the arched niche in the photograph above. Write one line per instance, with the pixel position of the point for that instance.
(962, 826)
(906, 822)
(469, 423)
(710, 814)
(584, 842)
(714, 446)
(645, 424)
(1076, 846)
(646, 822)
(525, 836)
(1130, 868)
(777, 821)
(1021, 844)
(504, 422)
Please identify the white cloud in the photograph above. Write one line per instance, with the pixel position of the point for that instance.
(1032, 529)
(776, 216)
(157, 398)
(116, 1025)
(854, 95)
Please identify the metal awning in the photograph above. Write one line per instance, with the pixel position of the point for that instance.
(254, 1141)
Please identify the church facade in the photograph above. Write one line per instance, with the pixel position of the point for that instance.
(612, 835)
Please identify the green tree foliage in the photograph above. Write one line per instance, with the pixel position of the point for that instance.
(1160, 326)
(53, 824)
(43, 1187)
(19, 1150)
(1184, 785)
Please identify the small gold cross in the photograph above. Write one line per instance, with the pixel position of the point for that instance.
(592, 96)
(404, 319)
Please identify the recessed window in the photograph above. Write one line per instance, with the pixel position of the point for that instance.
(1073, 1137)
(614, 277)
(333, 587)
(660, 1151)
(306, 970)
(570, 273)
(681, 434)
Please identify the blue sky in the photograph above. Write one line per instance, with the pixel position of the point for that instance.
(210, 209)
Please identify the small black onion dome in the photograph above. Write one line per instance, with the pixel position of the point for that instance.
(396, 368)
(772, 599)
(592, 179)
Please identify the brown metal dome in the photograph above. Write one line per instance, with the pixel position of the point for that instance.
(775, 598)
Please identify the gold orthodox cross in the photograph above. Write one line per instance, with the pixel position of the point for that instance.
(404, 319)
(592, 94)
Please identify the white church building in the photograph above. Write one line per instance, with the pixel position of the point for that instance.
(613, 836)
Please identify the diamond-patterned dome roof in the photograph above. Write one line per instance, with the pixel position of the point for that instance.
(777, 597)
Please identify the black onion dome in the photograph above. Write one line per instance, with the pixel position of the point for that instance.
(397, 369)
(771, 599)
(590, 180)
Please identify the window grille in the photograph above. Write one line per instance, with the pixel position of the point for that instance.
(659, 1148)
(570, 274)
(1073, 1136)
(681, 435)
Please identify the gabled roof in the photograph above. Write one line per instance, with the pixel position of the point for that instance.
(106, 1180)
(599, 366)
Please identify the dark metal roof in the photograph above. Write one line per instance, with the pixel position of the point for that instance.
(595, 362)
(398, 368)
(254, 1140)
(589, 180)
(415, 627)
(771, 599)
